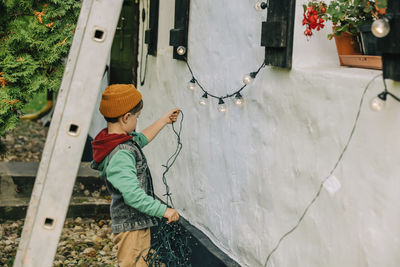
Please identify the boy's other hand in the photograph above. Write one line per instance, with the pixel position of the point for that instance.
(171, 215)
(172, 115)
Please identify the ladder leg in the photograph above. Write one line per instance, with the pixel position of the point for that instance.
(67, 134)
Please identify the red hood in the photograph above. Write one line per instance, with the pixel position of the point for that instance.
(104, 143)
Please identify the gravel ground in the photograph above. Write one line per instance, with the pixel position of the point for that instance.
(83, 242)
(26, 142)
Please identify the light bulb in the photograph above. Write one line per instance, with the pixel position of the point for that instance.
(181, 50)
(192, 84)
(377, 104)
(238, 99)
(204, 100)
(248, 78)
(222, 106)
(380, 28)
(260, 5)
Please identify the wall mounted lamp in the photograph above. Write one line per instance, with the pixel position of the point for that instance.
(151, 34)
(277, 32)
(387, 30)
(178, 36)
(378, 103)
(260, 5)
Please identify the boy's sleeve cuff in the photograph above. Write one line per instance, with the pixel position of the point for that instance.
(141, 139)
(146, 141)
(161, 210)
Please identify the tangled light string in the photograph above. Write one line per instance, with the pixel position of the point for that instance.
(170, 244)
(327, 177)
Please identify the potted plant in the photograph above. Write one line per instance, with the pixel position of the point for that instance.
(346, 16)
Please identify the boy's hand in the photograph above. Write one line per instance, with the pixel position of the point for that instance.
(168, 118)
(171, 215)
(172, 115)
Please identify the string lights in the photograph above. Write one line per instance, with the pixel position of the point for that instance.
(247, 78)
(204, 99)
(192, 84)
(237, 97)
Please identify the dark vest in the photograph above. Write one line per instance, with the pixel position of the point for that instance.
(125, 218)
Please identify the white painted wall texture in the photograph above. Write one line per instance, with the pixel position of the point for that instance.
(245, 177)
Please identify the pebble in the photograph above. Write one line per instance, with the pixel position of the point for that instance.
(78, 228)
(96, 194)
(90, 252)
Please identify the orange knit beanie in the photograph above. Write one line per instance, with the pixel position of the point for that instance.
(118, 99)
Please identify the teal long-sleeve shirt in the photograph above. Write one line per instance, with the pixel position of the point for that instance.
(122, 174)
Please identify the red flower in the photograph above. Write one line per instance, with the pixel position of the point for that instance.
(312, 17)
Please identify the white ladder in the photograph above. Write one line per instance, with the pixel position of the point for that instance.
(67, 134)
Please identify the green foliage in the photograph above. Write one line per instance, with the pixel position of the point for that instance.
(381, 4)
(347, 15)
(35, 38)
(36, 103)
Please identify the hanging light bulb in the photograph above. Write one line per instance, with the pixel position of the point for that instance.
(192, 84)
(380, 27)
(204, 100)
(238, 99)
(181, 50)
(221, 106)
(248, 78)
(378, 103)
(260, 5)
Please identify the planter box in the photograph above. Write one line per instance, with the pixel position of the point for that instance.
(362, 61)
(347, 44)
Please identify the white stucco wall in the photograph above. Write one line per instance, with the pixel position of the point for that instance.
(245, 177)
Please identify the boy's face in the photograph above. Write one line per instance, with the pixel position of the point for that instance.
(130, 122)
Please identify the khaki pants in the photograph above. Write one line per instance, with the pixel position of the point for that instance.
(132, 247)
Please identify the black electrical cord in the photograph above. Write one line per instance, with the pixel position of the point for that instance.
(386, 92)
(171, 160)
(142, 78)
(326, 178)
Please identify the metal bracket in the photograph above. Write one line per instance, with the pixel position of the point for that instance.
(179, 35)
(273, 34)
(151, 35)
(277, 33)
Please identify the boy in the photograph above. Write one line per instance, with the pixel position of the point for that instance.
(117, 154)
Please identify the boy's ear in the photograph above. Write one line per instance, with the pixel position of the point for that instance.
(125, 117)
